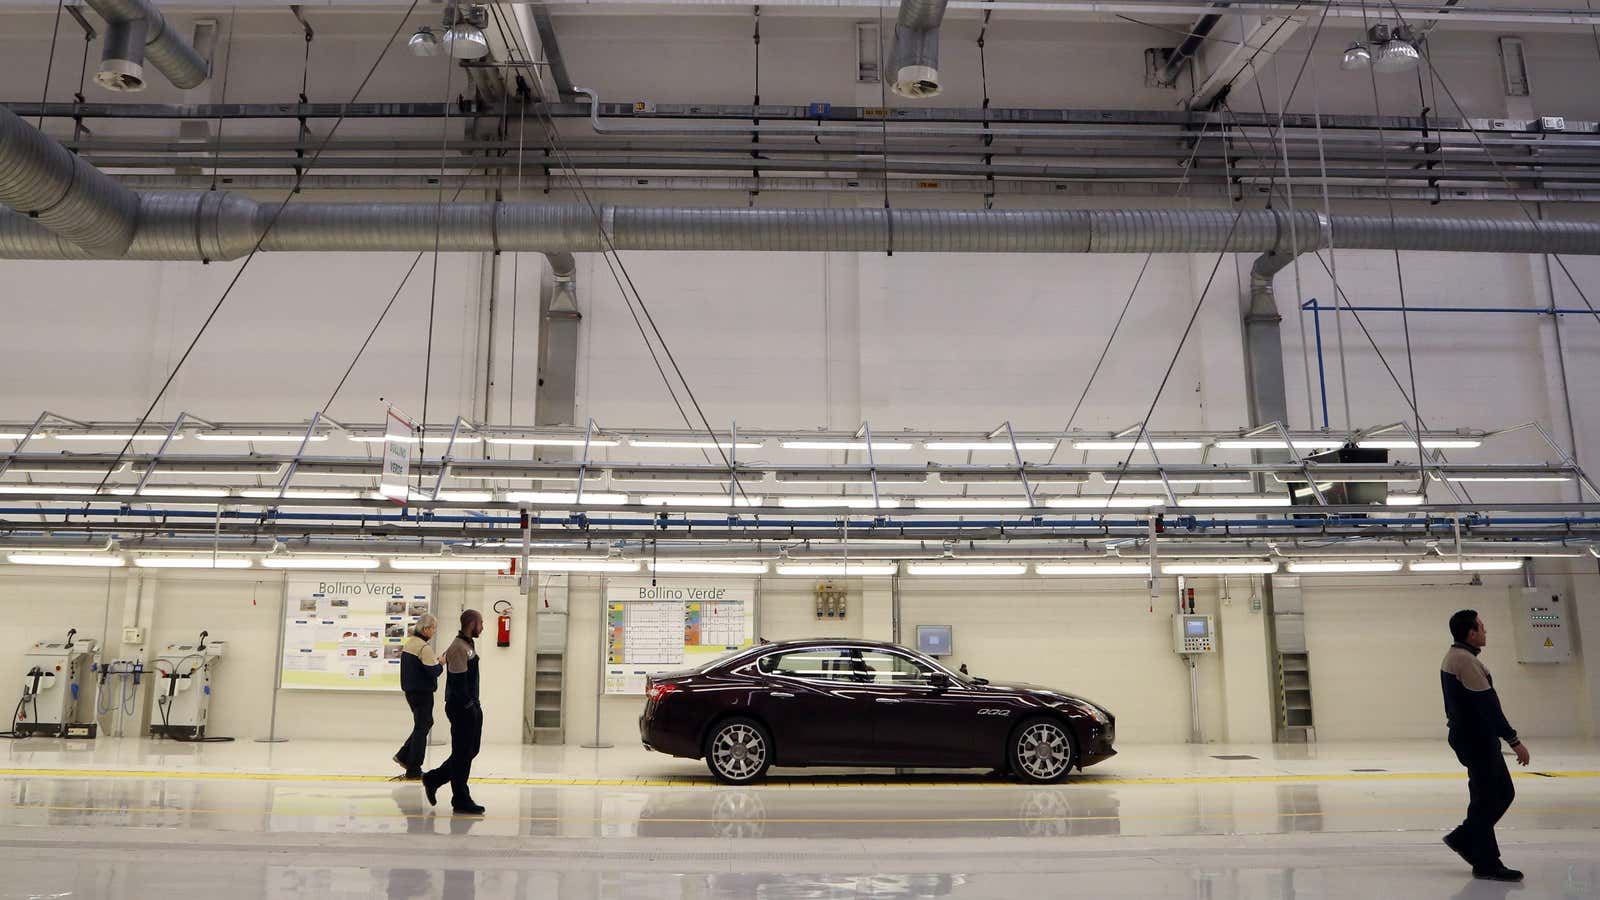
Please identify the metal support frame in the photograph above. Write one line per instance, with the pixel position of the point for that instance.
(444, 460)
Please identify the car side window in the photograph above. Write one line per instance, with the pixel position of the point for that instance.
(816, 663)
(892, 669)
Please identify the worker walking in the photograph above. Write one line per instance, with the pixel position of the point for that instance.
(1477, 725)
(465, 715)
(419, 679)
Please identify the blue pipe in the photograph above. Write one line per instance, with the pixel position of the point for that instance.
(1313, 305)
(1322, 376)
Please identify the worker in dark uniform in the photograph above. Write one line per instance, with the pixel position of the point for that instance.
(465, 715)
(419, 679)
(1477, 725)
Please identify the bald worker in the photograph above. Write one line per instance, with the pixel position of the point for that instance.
(465, 715)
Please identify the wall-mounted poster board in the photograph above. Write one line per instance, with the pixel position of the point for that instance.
(343, 631)
(676, 623)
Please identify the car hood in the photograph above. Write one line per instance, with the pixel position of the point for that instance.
(1044, 693)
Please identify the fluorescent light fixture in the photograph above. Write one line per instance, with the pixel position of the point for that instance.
(1404, 500)
(962, 568)
(846, 445)
(280, 438)
(1181, 479)
(1340, 566)
(437, 439)
(12, 435)
(1104, 501)
(701, 500)
(54, 559)
(92, 436)
(446, 564)
(551, 442)
(695, 445)
(1098, 444)
(707, 567)
(1235, 500)
(1093, 568)
(1277, 444)
(315, 562)
(583, 565)
(1468, 565)
(1504, 479)
(1219, 568)
(547, 498)
(156, 490)
(1428, 443)
(1004, 446)
(854, 501)
(450, 496)
(192, 562)
(972, 503)
(836, 569)
(45, 489)
(300, 494)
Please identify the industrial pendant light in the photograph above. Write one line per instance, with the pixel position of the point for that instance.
(1356, 57)
(424, 43)
(463, 36)
(1399, 53)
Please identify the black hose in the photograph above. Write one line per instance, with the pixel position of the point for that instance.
(166, 713)
(17, 715)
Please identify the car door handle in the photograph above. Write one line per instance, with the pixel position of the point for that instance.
(783, 694)
(887, 700)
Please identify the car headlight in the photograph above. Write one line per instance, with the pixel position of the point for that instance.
(1099, 715)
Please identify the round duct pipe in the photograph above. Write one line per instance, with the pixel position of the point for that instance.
(122, 56)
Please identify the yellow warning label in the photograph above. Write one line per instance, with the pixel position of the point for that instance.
(1549, 643)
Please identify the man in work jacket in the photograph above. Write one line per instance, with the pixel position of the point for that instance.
(1477, 725)
(419, 679)
(466, 718)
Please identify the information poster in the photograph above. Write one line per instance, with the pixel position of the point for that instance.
(343, 632)
(674, 624)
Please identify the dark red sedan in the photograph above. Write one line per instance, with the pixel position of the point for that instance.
(865, 703)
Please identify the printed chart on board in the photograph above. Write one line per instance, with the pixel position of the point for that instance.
(673, 624)
(344, 633)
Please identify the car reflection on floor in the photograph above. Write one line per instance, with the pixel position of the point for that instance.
(829, 887)
(927, 812)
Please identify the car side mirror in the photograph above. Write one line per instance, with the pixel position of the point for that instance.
(939, 680)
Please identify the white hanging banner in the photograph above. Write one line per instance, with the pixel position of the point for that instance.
(398, 435)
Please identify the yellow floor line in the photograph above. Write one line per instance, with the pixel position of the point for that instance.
(848, 781)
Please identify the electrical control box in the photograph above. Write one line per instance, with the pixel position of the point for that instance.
(1543, 625)
(184, 672)
(1193, 634)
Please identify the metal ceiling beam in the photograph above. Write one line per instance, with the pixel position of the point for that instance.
(1221, 68)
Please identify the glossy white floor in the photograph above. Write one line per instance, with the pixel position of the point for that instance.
(141, 819)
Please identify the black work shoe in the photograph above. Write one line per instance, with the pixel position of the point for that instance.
(431, 791)
(1498, 874)
(1454, 843)
(412, 775)
(467, 809)
(398, 761)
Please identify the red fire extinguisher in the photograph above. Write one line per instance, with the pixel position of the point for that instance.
(503, 636)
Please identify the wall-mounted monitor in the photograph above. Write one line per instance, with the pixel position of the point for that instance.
(934, 640)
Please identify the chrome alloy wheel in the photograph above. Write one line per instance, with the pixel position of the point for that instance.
(1044, 752)
(739, 752)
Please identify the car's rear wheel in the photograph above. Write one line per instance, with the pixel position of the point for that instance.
(1040, 751)
(739, 751)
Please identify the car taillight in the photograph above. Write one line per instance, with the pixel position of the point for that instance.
(659, 691)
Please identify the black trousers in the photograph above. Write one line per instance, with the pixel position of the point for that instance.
(415, 749)
(1490, 790)
(466, 736)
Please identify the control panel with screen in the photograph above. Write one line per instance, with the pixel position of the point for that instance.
(1193, 634)
(934, 640)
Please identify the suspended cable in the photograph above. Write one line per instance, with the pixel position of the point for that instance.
(621, 276)
(227, 65)
(254, 250)
(50, 63)
(433, 287)
(1333, 261)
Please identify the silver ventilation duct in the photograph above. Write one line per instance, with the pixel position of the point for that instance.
(914, 61)
(56, 190)
(136, 30)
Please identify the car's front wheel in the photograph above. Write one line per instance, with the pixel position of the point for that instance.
(739, 751)
(1040, 751)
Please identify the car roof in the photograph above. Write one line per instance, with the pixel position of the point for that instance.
(828, 642)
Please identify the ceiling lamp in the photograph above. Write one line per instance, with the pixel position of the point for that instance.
(1356, 56)
(463, 35)
(424, 43)
(1395, 48)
